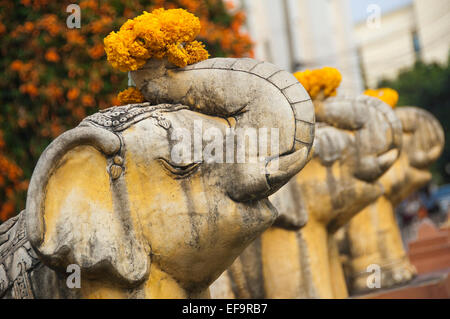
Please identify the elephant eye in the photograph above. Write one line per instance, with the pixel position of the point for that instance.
(180, 171)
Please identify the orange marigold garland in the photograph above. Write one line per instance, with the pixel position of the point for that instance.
(325, 81)
(161, 33)
(129, 96)
(196, 52)
(387, 95)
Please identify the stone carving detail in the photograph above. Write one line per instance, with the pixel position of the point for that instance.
(22, 285)
(145, 225)
(209, 72)
(4, 280)
(17, 259)
(357, 140)
(373, 236)
(119, 118)
(115, 171)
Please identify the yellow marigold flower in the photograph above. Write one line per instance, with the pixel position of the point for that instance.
(129, 96)
(117, 50)
(178, 25)
(128, 25)
(387, 95)
(191, 53)
(325, 80)
(196, 52)
(148, 28)
(138, 50)
(177, 55)
(157, 34)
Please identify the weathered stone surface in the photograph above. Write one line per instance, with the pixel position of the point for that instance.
(21, 271)
(357, 140)
(221, 91)
(373, 236)
(108, 197)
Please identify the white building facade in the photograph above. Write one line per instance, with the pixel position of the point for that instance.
(308, 34)
(305, 34)
(419, 30)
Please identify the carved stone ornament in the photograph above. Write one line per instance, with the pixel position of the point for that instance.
(17, 260)
(119, 118)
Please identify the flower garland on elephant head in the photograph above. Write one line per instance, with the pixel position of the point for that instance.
(130, 95)
(323, 83)
(162, 33)
(387, 95)
(320, 83)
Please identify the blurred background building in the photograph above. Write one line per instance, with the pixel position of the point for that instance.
(418, 29)
(367, 40)
(300, 34)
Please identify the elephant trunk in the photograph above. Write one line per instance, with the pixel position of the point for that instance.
(378, 132)
(428, 136)
(257, 95)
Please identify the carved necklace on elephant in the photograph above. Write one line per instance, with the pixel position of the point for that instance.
(17, 259)
(118, 118)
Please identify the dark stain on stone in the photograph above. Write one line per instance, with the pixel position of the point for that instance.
(251, 259)
(195, 237)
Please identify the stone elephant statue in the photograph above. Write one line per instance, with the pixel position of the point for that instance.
(107, 196)
(357, 140)
(373, 236)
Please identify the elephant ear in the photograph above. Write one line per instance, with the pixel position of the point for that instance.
(75, 212)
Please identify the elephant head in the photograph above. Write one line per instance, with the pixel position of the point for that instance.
(423, 141)
(231, 89)
(357, 140)
(109, 197)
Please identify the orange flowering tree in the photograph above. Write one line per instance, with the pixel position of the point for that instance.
(54, 76)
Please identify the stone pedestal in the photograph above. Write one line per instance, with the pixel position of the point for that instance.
(434, 285)
(431, 251)
(430, 254)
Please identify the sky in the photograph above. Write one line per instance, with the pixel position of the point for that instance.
(359, 7)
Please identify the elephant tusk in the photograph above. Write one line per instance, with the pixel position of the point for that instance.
(288, 166)
(387, 159)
